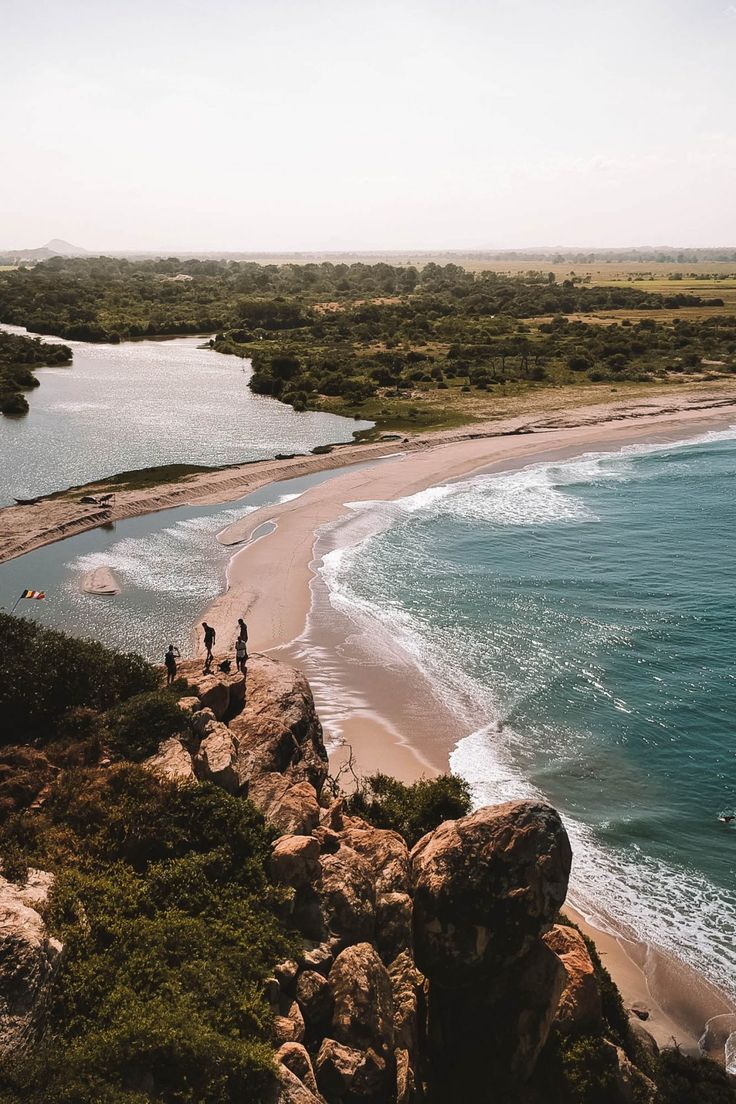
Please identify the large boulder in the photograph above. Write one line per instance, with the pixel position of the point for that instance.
(393, 925)
(347, 1073)
(363, 1012)
(291, 1089)
(296, 1058)
(386, 854)
(289, 1028)
(217, 758)
(630, 1085)
(315, 999)
(485, 1040)
(580, 1004)
(278, 729)
(29, 957)
(172, 761)
(294, 861)
(406, 988)
(346, 896)
(485, 888)
(291, 807)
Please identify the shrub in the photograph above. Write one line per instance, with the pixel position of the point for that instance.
(137, 726)
(45, 673)
(170, 927)
(410, 810)
(681, 1079)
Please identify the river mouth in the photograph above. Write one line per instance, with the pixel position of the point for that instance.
(146, 404)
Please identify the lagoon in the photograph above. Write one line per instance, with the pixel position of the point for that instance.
(143, 404)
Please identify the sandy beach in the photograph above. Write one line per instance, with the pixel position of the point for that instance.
(373, 706)
(28, 526)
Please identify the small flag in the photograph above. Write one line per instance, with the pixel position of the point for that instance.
(28, 594)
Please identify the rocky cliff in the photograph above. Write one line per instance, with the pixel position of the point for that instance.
(432, 974)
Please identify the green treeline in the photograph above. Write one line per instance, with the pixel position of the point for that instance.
(109, 299)
(18, 355)
(369, 350)
(334, 336)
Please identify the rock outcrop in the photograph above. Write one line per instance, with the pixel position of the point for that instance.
(486, 888)
(29, 957)
(434, 974)
(580, 1004)
(256, 734)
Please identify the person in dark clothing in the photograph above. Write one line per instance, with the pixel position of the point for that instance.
(209, 641)
(241, 645)
(170, 659)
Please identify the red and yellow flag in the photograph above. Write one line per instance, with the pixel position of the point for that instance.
(33, 594)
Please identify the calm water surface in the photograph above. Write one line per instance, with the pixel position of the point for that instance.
(144, 403)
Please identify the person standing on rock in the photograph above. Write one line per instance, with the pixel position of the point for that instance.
(241, 645)
(170, 659)
(210, 636)
(241, 654)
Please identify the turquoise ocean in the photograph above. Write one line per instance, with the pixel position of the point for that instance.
(580, 617)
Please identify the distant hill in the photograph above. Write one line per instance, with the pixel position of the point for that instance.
(64, 248)
(57, 247)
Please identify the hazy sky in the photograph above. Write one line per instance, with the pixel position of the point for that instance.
(334, 124)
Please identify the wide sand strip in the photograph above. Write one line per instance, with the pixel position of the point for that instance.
(387, 714)
(25, 527)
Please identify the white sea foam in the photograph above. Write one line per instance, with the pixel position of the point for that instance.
(676, 908)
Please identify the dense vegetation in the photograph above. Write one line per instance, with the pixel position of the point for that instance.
(162, 901)
(340, 336)
(51, 684)
(109, 299)
(169, 926)
(400, 349)
(18, 355)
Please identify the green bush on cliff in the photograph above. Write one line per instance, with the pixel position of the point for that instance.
(169, 925)
(44, 674)
(410, 810)
(681, 1079)
(136, 727)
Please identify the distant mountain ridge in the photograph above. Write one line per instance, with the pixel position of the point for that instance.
(57, 247)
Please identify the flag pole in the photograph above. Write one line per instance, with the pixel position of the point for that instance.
(17, 602)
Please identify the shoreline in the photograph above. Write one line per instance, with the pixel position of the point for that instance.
(26, 527)
(373, 706)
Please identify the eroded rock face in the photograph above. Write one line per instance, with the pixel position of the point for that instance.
(315, 999)
(580, 1003)
(278, 729)
(29, 957)
(291, 1089)
(289, 1028)
(223, 693)
(485, 1040)
(485, 888)
(290, 807)
(346, 896)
